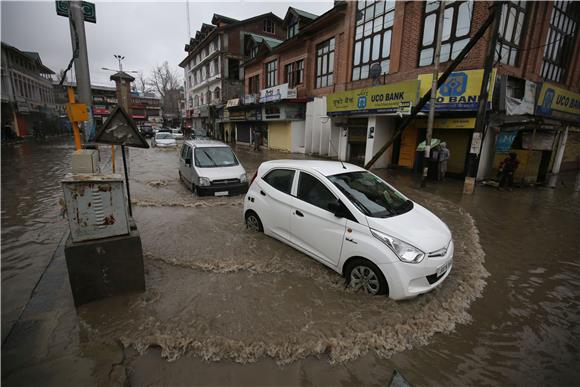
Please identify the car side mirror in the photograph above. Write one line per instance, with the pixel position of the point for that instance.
(188, 162)
(338, 209)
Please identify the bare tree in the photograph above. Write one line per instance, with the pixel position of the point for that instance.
(143, 83)
(164, 79)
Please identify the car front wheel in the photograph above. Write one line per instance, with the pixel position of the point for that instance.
(363, 275)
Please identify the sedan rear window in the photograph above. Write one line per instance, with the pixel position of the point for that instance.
(212, 157)
(372, 196)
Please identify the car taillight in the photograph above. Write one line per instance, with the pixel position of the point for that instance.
(254, 177)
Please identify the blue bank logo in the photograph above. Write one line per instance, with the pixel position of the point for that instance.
(362, 102)
(455, 85)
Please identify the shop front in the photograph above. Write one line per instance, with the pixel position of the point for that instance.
(455, 109)
(367, 118)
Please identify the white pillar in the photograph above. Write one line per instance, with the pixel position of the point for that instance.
(558, 159)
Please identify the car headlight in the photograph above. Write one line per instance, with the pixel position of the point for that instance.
(204, 182)
(243, 178)
(404, 251)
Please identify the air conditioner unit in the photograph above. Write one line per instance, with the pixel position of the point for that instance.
(96, 206)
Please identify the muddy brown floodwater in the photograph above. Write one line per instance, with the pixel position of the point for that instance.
(226, 306)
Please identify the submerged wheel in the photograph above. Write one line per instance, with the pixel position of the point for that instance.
(253, 222)
(364, 275)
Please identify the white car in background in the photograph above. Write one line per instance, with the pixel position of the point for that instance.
(211, 167)
(163, 140)
(353, 222)
(177, 134)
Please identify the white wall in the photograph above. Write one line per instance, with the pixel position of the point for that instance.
(384, 129)
(318, 128)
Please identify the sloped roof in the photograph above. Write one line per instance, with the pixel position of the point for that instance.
(31, 55)
(271, 42)
(217, 17)
(305, 14)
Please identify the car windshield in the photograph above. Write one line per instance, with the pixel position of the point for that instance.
(163, 136)
(371, 195)
(211, 157)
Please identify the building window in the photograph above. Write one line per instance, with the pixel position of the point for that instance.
(208, 97)
(268, 26)
(455, 34)
(325, 63)
(559, 46)
(233, 68)
(294, 73)
(196, 100)
(293, 28)
(254, 51)
(254, 84)
(216, 94)
(372, 39)
(189, 78)
(271, 73)
(272, 111)
(510, 32)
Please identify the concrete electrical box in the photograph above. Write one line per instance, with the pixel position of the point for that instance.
(96, 206)
(85, 161)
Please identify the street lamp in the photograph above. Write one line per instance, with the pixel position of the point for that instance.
(119, 58)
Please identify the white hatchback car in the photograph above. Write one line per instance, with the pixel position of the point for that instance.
(353, 222)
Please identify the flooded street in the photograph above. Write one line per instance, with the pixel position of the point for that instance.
(226, 306)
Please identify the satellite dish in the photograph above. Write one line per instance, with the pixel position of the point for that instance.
(375, 72)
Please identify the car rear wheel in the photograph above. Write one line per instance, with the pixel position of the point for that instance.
(253, 222)
(363, 275)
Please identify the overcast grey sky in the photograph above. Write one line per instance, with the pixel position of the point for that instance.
(146, 33)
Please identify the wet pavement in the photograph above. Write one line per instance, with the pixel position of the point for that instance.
(226, 306)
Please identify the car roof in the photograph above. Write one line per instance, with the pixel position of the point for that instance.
(325, 167)
(203, 143)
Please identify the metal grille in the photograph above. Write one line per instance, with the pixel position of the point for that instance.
(225, 181)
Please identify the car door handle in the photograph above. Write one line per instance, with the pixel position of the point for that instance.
(300, 214)
(262, 193)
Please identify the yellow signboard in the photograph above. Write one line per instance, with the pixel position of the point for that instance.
(449, 123)
(77, 112)
(391, 98)
(460, 92)
(553, 98)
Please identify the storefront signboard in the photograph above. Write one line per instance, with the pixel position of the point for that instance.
(277, 93)
(390, 99)
(233, 102)
(504, 141)
(460, 92)
(449, 123)
(558, 103)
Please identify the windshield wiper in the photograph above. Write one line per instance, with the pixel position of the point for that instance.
(210, 159)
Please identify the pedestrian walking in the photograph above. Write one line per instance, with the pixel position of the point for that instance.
(444, 155)
(507, 169)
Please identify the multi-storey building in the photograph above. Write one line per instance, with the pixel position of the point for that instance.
(213, 74)
(362, 65)
(27, 95)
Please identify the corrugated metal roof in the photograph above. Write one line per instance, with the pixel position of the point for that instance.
(271, 42)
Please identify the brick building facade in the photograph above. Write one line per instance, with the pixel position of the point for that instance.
(536, 62)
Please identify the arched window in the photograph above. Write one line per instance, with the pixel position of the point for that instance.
(216, 94)
(196, 100)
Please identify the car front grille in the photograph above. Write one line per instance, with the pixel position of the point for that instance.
(221, 182)
(439, 253)
(433, 278)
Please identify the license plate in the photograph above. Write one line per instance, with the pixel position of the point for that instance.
(442, 269)
(221, 193)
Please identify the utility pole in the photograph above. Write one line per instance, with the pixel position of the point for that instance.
(433, 100)
(473, 158)
(79, 42)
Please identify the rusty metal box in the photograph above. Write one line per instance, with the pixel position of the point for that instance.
(96, 206)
